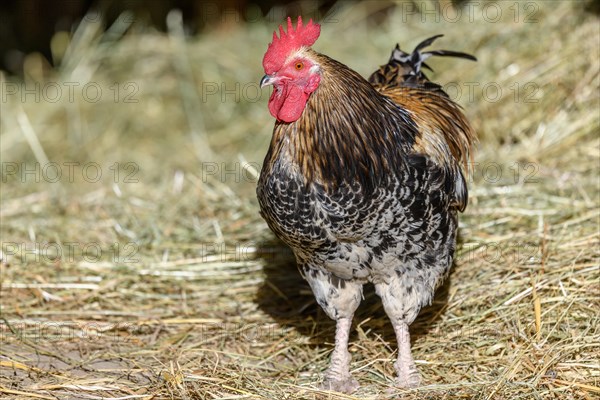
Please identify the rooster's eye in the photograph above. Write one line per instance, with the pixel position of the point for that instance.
(299, 66)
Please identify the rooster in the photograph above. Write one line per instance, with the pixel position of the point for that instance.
(363, 180)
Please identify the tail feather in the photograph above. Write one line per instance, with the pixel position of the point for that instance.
(406, 69)
(444, 134)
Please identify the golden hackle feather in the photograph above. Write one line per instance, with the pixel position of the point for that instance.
(444, 133)
(347, 132)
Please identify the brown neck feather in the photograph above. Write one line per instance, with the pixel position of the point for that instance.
(348, 132)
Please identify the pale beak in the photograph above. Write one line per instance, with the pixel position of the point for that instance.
(267, 80)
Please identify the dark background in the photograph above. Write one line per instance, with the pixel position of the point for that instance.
(28, 25)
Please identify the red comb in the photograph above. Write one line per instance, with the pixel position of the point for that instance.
(281, 46)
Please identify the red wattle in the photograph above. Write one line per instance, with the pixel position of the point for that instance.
(287, 104)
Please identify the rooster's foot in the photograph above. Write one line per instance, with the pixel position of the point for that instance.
(347, 385)
(408, 380)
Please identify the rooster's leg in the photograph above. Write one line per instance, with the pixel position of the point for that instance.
(400, 308)
(338, 376)
(339, 299)
(408, 375)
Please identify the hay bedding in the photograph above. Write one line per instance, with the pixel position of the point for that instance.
(160, 280)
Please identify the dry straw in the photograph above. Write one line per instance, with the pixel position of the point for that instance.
(169, 283)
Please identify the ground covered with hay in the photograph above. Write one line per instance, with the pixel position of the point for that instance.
(135, 264)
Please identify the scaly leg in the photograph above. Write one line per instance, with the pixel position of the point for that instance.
(408, 375)
(338, 377)
(402, 310)
(339, 299)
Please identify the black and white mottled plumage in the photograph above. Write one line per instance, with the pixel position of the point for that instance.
(365, 187)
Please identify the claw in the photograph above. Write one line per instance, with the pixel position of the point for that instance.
(348, 385)
(408, 378)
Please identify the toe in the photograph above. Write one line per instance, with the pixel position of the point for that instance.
(348, 385)
(409, 380)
